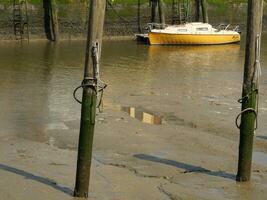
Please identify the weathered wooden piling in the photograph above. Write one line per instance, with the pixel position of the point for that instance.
(154, 4)
(27, 21)
(204, 11)
(47, 28)
(139, 16)
(50, 20)
(161, 12)
(54, 20)
(250, 89)
(88, 110)
(197, 9)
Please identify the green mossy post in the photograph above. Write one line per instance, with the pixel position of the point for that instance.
(88, 111)
(254, 26)
(197, 9)
(161, 12)
(204, 11)
(154, 4)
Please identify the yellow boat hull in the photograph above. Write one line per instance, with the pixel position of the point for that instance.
(191, 39)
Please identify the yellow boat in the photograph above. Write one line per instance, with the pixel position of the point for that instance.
(192, 34)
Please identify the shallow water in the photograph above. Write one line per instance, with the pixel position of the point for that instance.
(37, 81)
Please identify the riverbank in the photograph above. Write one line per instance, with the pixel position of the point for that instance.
(121, 18)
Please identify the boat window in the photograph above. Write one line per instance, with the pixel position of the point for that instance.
(203, 29)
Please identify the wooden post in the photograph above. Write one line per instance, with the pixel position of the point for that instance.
(88, 111)
(180, 13)
(161, 12)
(197, 8)
(27, 20)
(50, 20)
(84, 9)
(204, 11)
(187, 2)
(174, 10)
(54, 20)
(47, 19)
(139, 16)
(250, 89)
(154, 4)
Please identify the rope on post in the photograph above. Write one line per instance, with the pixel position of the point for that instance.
(257, 68)
(256, 78)
(95, 83)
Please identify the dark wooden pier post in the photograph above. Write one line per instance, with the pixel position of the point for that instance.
(54, 20)
(161, 11)
(154, 4)
(27, 20)
(88, 111)
(174, 11)
(197, 9)
(250, 89)
(205, 11)
(50, 20)
(47, 19)
(139, 16)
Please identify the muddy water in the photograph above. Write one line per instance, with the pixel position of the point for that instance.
(189, 86)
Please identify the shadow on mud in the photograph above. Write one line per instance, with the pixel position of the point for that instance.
(262, 137)
(187, 167)
(36, 178)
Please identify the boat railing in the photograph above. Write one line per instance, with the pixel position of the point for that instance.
(151, 26)
(237, 29)
(225, 27)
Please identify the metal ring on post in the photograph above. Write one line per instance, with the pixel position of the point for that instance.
(244, 111)
(92, 85)
(74, 94)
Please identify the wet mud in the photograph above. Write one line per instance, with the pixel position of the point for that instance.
(186, 149)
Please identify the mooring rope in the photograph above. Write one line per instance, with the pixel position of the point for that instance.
(94, 83)
(256, 78)
(257, 69)
(100, 85)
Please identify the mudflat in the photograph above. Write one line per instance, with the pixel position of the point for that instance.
(167, 130)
